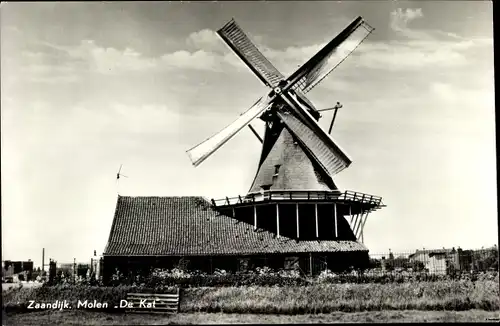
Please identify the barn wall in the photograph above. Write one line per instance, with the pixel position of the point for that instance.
(130, 266)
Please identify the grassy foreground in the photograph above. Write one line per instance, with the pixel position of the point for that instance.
(315, 299)
(101, 318)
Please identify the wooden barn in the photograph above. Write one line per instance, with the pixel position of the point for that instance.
(188, 232)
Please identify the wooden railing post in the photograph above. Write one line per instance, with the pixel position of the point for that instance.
(335, 217)
(316, 219)
(254, 217)
(277, 220)
(297, 216)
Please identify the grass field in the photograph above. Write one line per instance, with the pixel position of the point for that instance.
(444, 301)
(102, 318)
(314, 299)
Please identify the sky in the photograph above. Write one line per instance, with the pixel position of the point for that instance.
(86, 87)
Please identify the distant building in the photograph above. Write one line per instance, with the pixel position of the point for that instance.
(66, 267)
(18, 266)
(440, 261)
(17, 270)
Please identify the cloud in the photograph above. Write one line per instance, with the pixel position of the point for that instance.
(401, 18)
(411, 56)
(205, 39)
(424, 49)
(64, 63)
(201, 60)
(108, 60)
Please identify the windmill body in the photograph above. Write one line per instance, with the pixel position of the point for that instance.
(293, 210)
(299, 159)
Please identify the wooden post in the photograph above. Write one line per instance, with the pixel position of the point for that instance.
(234, 214)
(277, 220)
(254, 217)
(356, 232)
(362, 227)
(310, 264)
(355, 222)
(316, 217)
(335, 216)
(297, 215)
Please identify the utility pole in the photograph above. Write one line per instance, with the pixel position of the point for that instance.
(43, 259)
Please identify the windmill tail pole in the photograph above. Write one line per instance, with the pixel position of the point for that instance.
(333, 120)
(255, 133)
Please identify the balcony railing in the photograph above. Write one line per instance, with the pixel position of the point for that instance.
(299, 195)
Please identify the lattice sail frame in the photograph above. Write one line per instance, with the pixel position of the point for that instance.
(314, 139)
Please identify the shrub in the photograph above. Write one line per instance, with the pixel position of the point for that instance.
(268, 277)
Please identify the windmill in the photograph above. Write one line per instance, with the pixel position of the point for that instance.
(299, 159)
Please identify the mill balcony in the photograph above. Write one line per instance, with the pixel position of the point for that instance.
(365, 202)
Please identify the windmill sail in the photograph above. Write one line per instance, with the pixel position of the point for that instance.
(236, 39)
(321, 145)
(202, 151)
(330, 56)
(327, 154)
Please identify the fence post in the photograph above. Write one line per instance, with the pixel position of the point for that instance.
(101, 269)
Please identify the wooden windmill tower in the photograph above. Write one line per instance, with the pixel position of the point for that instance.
(293, 193)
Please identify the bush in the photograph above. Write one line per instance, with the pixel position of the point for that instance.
(268, 277)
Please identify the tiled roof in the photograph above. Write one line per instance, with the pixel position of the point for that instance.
(188, 226)
(432, 252)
